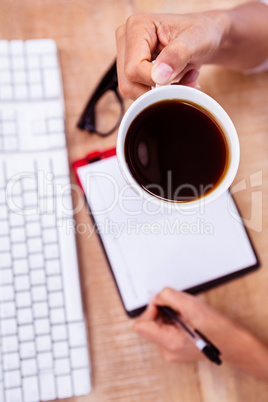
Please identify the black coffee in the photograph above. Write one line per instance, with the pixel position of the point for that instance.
(176, 150)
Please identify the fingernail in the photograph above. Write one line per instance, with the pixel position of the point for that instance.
(162, 74)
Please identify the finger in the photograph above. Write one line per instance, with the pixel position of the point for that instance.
(149, 314)
(163, 335)
(189, 79)
(141, 41)
(190, 76)
(189, 306)
(175, 57)
(127, 88)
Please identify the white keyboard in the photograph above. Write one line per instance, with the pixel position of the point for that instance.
(43, 342)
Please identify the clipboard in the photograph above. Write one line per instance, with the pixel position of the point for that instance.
(246, 260)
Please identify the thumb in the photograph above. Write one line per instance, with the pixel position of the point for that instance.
(170, 62)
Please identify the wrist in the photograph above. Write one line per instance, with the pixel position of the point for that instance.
(248, 353)
(223, 22)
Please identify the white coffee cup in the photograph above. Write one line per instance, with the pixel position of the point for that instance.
(187, 94)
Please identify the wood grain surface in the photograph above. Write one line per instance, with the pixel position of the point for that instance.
(125, 367)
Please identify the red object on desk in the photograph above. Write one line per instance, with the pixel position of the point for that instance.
(89, 158)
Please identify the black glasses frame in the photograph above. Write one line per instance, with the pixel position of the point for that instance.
(109, 82)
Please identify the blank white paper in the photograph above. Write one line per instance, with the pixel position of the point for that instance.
(149, 248)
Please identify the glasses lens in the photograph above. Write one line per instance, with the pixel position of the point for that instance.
(108, 112)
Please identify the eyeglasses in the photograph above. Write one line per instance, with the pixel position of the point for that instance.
(88, 120)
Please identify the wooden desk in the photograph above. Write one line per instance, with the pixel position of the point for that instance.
(125, 367)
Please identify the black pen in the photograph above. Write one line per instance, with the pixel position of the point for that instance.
(201, 342)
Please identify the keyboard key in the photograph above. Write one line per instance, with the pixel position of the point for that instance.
(51, 251)
(42, 326)
(6, 92)
(4, 47)
(64, 386)
(27, 350)
(33, 229)
(19, 77)
(30, 389)
(55, 299)
(53, 267)
(4, 63)
(54, 283)
(39, 293)
(56, 125)
(28, 367)
(22, 283)
(79, 357)
(48, 220)
(36, 261)
(23, 299)
(30, 199)
(45, 361)
(16, 47)
(50, 235)
(5, 261)
(5, 76)
(81, 382)
(34, 245)
(59, 333)
(17, 62)
(40, 126)
(33, 62)
(60, 349)
(51, 83)
(9, 127)
(19, 250)
(8, 326)
(16, 219)
(43, 343)
(4, 244)
(7, 310)
(25, 316)
(37, 277)
(20, 266)
(57, 316)
(17, 234)
(71, 285)
(77, 334)
(6, 293)
(26, 333)
(11, 361)
(49, 60)
(62, 366)
(47, 386)
(36, 91)
(40, 46)
(21, 92)
(10, 344)
(14, 395)
(4, 228)
(3, 212)
(6, 276)
(12, 379)
(40, 310)
(34, 76)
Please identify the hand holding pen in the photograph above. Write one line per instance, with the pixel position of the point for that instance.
(236, 344)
